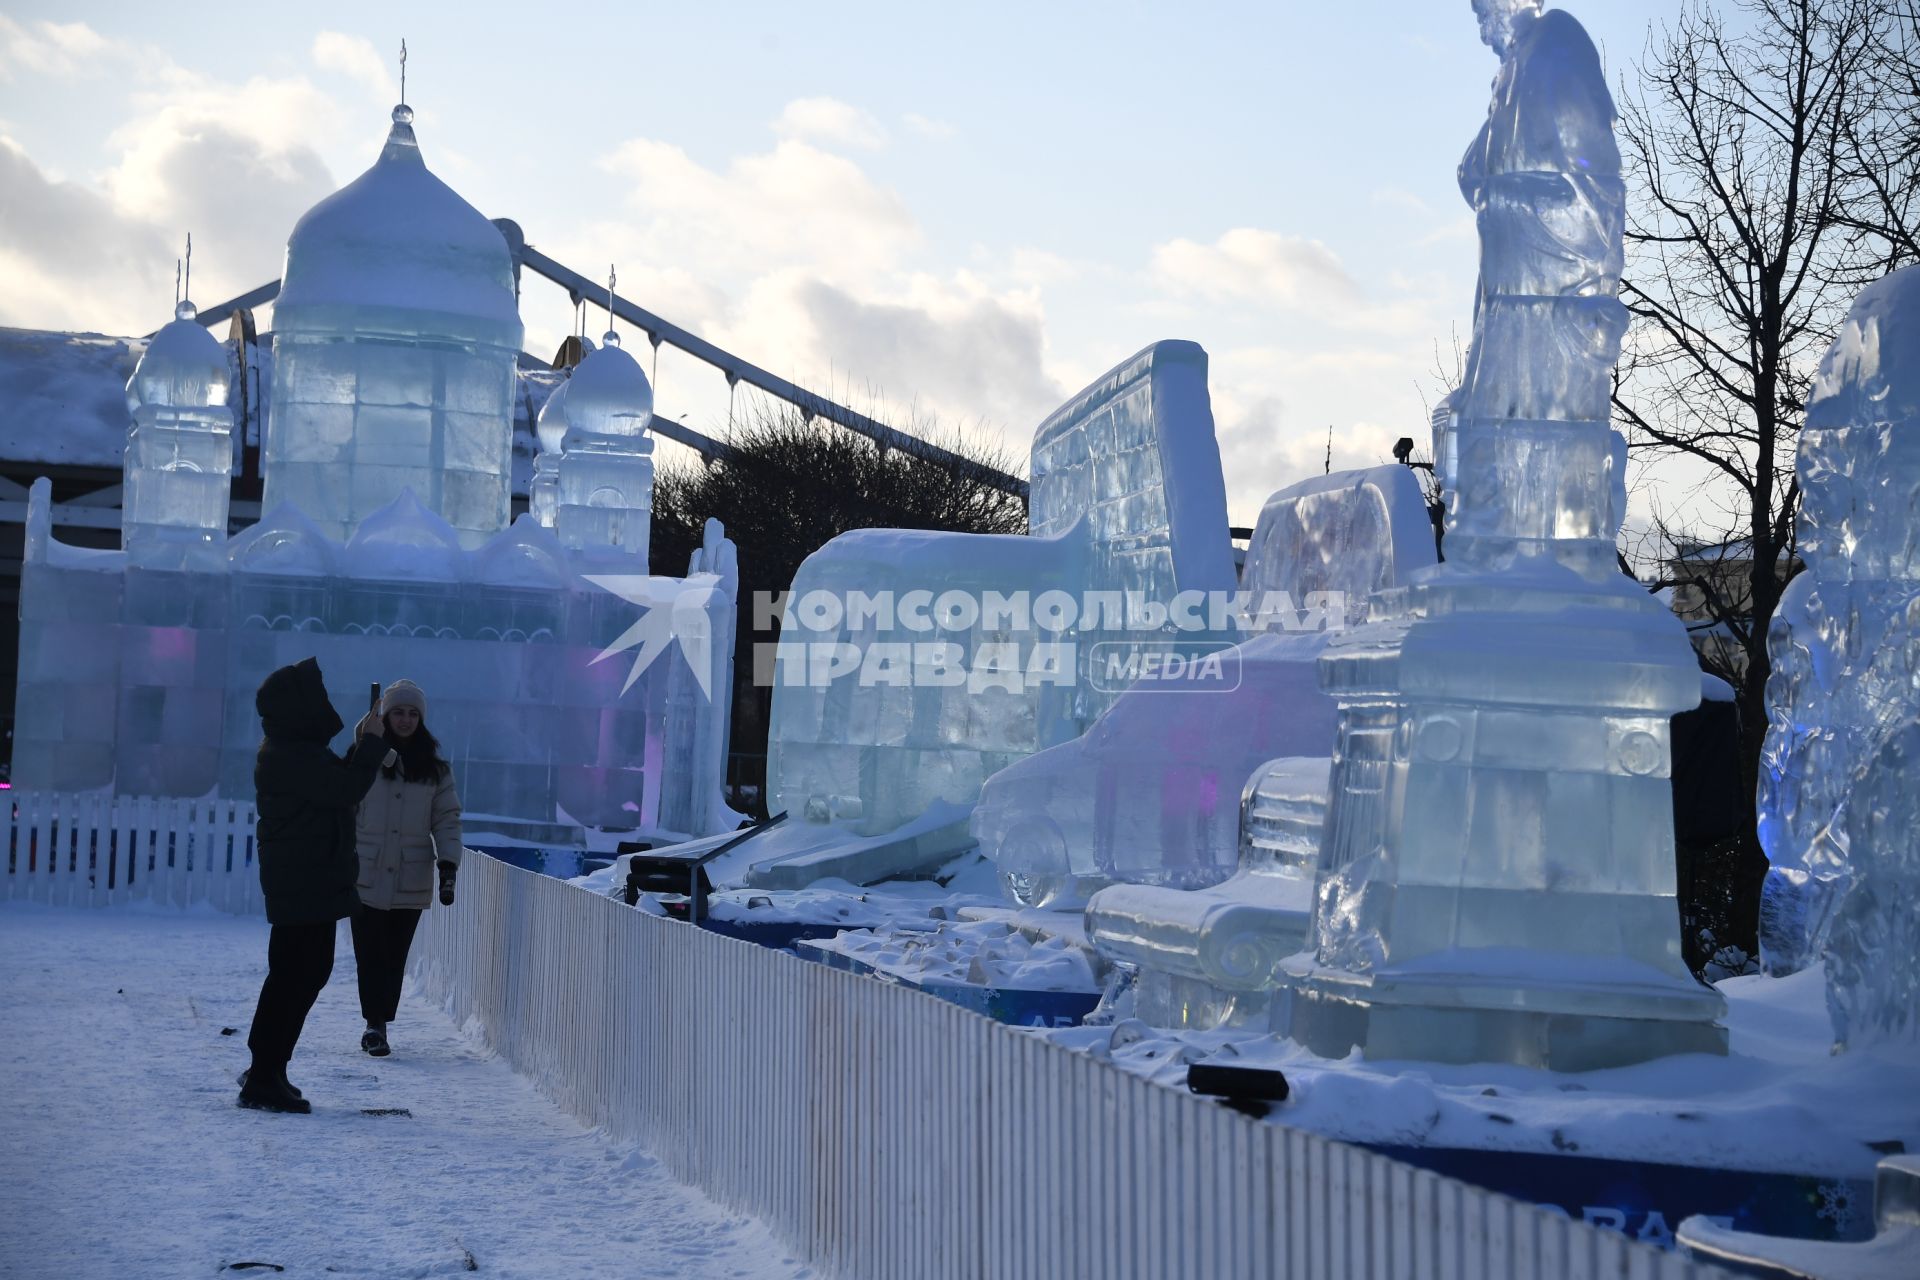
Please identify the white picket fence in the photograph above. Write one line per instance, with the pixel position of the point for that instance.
(882, 1133)
(103, 850)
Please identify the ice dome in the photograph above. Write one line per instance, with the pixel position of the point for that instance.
(184, 367)
(1871, 374)
(550, 428)
(398, 237)
(609, 398)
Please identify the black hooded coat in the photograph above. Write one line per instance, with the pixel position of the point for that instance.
(306, 796)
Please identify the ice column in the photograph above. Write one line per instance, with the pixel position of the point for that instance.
(1837, 806)
(179, 451)
(1497, 878)
(604, 498)
(395, 337)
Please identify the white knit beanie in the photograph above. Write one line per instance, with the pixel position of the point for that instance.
(403, 693)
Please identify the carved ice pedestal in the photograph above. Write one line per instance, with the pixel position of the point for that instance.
(1498, 878)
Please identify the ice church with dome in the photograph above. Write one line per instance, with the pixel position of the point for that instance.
(387, 546)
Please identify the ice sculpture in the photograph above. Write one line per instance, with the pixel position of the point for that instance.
(1497, 876)
(138, 667)
(179, 458)
(603, 492)
(1844, 645)
(1150, 794)
(550, 429)
(1127, 495)
(395, 336)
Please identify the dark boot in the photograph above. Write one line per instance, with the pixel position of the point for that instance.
(268, 1089)
(374, 1041)
(294, 1088)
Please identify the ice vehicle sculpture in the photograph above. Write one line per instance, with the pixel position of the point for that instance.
(1841, 699)
(569, 686)
(870, 733)
(1150, 795)
(1497, 873)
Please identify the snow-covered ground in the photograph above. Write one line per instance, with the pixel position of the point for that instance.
(122, 1153)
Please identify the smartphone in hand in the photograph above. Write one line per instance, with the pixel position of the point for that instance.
(373, 699)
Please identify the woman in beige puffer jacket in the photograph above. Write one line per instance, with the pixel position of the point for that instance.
(408, 823)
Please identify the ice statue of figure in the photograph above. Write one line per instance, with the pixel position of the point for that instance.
(604, 495)
(550, 428)
(1496, 877)
(179, 457)
(1537, 469)
(395, 337)
(1845, 638)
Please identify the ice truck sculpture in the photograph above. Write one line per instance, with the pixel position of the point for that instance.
(1497, 873)
(1837, 809)
(1237, 830)
(1150, 795)
(1127, 496)
(386, 549)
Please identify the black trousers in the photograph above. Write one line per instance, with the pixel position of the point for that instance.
(299, 962)
(381, 940)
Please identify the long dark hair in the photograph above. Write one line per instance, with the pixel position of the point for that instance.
(419, 755)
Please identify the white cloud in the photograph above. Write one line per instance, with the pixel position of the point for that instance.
(795, 205)
(1248, 264)
(829, 120)
(62, 49)
(927, 127)
(356, 58)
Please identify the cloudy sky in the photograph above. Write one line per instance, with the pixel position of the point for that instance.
(971, 212)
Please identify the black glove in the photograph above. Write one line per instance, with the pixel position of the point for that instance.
(446, 883)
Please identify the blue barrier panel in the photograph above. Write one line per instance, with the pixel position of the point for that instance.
(1648, 1201)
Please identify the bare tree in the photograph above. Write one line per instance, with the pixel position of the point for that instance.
(1772, 162)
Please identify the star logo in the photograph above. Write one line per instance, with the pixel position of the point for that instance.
(676, 612)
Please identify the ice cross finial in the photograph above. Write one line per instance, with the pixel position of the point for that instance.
(612, 338)
(176, 282)
(403, 70)
(185, 283)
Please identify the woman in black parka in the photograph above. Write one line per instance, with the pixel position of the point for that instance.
(306, 797)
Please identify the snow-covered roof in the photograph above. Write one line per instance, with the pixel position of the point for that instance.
(398, 237)
(63, 396)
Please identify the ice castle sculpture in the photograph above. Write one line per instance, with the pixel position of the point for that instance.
(1836, 809)
(395, 336)
(1150, 794)
(1127, 496)
(1496, 880)
(569, 687)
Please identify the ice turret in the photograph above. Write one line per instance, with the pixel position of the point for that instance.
(550, 428)
(179, 450)
(395, 337)
(605, 491)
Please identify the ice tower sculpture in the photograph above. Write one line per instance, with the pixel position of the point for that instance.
(603, 478)
(395, 336)
(1496, 880)
(1845, 643)
(1127, 496)
(179, 458)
